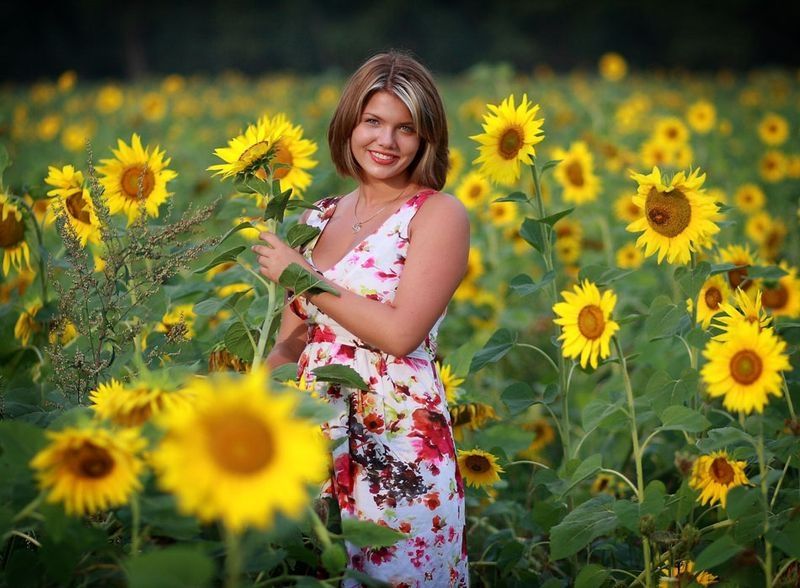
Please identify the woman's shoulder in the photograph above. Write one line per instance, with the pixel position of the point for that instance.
(440, 207)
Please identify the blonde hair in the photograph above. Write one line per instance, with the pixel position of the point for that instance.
(407, 79)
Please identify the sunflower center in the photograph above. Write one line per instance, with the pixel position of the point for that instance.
(475, 192)
(713, 297)
(668, 214)
(89, 461)
(775, 298)
(591, 322)
(240, 443)
(478, 464)
(130, 182)
(510, 143)
(254, 153)
(76, 206)
(721, 471)
(746, 367)
(738, 278)
(12, 231)
(284, 157)
(575, 174)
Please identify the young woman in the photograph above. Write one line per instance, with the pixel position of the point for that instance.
(396, 249)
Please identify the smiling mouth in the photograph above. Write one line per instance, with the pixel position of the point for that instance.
(382, 157)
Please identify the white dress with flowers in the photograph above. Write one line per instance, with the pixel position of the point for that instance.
(397, 464)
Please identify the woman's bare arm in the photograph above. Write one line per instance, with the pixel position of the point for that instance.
(290, 341)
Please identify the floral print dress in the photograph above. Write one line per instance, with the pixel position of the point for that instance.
(395, 462)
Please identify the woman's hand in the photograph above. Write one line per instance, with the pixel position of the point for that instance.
(276, 256)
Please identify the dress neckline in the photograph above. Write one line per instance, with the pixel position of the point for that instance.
(366, 238)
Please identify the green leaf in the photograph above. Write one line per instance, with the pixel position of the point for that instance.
(172, 567)
(368, 534)
(495, 349)
(287, 371)
(788, 539)
(518, 396)
(718, 552)
(550, 164)
(587, 522)
(523, 284)
(340, 374)
(765, 272)
(301, 234)
(531, 231)
(513, 197)
(298, 203)
(662, 390)
(366, 580)
(602, 275)
(599, 412)
(683, 418)
(690, 281)
(276, 207)
(334, 558)
(227, 256)
(591, 576)
(299, 280)
(723, 438)
(588, 467)
(238, 343)
(236, 229)
(554, 218)
(663, 318)
(212, 306)
(721, 268)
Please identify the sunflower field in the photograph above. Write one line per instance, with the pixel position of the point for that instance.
(620, 360)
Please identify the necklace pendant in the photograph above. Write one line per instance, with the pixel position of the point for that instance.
(356, 227)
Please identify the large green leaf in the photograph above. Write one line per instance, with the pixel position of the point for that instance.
(691, 281)
(587, 522)
(369, 534)
(602, 275)
(523, 284)
(172, 567)
(225, 257)
(532, 231)
(236, 229)
(683, 418)
(301, 234)
(718, 552)
(496, 347)
(513, 197)
(518, 396)
(591, 576)
(276, 207)
(299, 280)
(663, 319)
(340, 374)
(788, 539)
(334, 558)
(664, 391)
(587, 468)
(238, 343)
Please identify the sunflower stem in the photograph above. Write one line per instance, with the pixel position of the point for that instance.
(272, 297)
(233, 558)
(136, 516)
(762, 470)
(637, 454)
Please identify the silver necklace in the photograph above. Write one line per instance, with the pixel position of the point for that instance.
(357, 225)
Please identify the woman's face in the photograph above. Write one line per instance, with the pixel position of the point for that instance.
(385, 140)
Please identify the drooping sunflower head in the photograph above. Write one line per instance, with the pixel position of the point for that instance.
(251, 152)
(713, 475)
(745, 367)
(479, 468)
(27, 325)
(682, 575)
(543, 436)
(239, 454)
(576, 174)
(90, 469)
(222, 360)
(676, 215)
(509, 135)
(13, 232)
(73, 200)
(586, 324)
(133, 404)
(136, 177)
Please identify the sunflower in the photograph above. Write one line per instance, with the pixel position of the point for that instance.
(682, 575)
(475, 270)
(16, 286)
(671, 132)
(27, 325)
(568, 251)
(603, 484)
(612, 66)
(576, 174)
(772, 241)
(470, 415)
(178, 322)
(749, 198)
(745, 367)
(502, 214)
(74, 200)
(773, 129)
(153, 106)
(713, 475)
(474, 190)
(655, 153)
(702, 116)
(109, 99)
(292, 156)
(543, 436)
(740, 256)
(509, 134)
(90, 469)
(12, 236)
(455, 164)
(745, 310)
(676, 215)
(782, 298)
(250, 152)
(221, 360)
(585, 322)
(714, 292)
(479, 467)
(450, 382)
(629, 257)
(625, 209)
(240, 454)
(773, 166)
(135, 177)
(134, 404)
(62, 332)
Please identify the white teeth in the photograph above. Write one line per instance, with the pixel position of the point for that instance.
(382, 156)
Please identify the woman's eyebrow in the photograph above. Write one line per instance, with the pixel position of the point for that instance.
(373, 115)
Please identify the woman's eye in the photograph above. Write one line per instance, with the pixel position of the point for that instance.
(371, 121)
(407, 129)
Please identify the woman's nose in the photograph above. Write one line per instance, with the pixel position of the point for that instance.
(386, 136)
